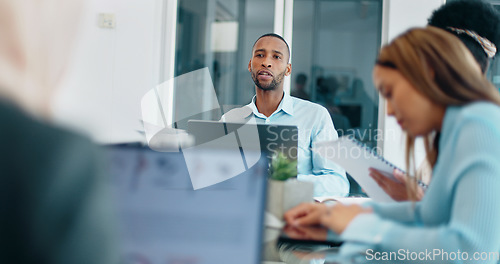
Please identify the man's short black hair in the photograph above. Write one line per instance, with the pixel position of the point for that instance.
(274, 35)
(475, 15)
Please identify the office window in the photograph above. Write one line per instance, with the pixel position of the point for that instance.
(335, 44)
(219, 34)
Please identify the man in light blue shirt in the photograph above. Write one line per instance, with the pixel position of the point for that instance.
(271, 105)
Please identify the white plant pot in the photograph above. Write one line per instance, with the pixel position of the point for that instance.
(284, 195)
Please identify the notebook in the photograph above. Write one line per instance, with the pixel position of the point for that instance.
(162, 219)
(356, 159)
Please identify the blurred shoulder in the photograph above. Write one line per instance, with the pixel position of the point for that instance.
(36, 140)
(484, 111)
(479, 118)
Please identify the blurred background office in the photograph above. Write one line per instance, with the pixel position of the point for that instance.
(129, 48)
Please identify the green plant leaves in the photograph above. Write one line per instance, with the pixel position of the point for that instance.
(282, 168)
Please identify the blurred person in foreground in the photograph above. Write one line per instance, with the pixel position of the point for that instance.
(431, 83)
(477, 24)
(53, 198)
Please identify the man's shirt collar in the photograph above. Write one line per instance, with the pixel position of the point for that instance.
(286, 105)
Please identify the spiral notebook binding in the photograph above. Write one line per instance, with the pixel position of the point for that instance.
(375, 154)
(362, 145)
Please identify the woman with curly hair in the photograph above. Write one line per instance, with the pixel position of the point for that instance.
(477, 24)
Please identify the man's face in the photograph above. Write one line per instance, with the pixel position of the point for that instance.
(269, 64)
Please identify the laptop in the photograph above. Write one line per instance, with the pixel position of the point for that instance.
(267, 138)
(162, 219)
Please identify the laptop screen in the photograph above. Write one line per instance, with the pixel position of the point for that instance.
(162, 219)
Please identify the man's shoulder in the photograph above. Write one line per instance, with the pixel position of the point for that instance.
(237, 114)
(311, 107)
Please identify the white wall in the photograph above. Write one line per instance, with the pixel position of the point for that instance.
(111, 71)
(402, 15)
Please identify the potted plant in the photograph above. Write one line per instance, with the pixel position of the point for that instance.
(285, 191)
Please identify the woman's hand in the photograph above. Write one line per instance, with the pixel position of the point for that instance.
(338, 217)
(396, 189)
(306, 232)
(305, 214)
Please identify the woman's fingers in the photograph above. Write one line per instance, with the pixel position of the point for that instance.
(305, 214)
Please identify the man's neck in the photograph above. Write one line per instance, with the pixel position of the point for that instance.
(268, 101)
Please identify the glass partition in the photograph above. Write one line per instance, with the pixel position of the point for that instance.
(335, 44)
(219, 34)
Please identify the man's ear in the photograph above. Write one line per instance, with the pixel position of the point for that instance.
(288, 69)
(250, 66)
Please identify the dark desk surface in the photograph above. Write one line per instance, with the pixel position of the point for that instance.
(275, 252)
(285, 253)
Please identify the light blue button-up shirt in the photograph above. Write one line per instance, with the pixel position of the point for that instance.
(314, 124)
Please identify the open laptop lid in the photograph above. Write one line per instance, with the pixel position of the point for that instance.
(267, 138)
(162, 219)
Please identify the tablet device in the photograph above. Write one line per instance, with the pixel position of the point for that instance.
(316, 235)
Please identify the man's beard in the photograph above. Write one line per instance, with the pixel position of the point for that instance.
(272, 86)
